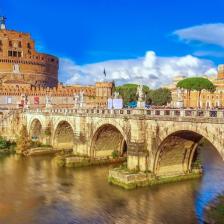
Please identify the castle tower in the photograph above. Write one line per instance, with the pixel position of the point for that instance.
(20, 62)
(104, 89)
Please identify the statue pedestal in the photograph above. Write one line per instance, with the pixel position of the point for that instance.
(180, 104)
(141, 104)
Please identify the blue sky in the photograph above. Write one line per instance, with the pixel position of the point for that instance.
(136, 40)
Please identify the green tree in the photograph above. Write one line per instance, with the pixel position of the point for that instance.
(23, 142)
(198, 84)
(160, 96)
(128, 92)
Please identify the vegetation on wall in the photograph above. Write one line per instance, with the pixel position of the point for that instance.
(23, 142)
(47, 131)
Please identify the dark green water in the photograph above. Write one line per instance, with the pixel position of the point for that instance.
(34, 190)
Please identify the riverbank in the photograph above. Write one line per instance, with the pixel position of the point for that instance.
(214, 212)
(7, 151)
(6, 147)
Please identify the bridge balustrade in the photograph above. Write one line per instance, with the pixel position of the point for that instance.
(188, 113)
(157, 112)
(146, 112)
(167, 112)
(177, 113)
(213, 113)
(200, 113)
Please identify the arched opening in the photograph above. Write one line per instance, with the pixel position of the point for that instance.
(64, 136)
(178, 154)
(36, 130)
(108, 141)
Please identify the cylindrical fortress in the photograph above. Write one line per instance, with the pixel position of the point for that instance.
(19, 61)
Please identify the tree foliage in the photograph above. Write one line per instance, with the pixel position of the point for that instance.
(128, 92)
(23, 142)
(196, 83)
(159, 97)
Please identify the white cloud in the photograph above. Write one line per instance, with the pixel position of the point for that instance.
(151, 70)
(203, 53)
(208, 33)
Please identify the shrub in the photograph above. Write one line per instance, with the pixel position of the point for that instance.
(115, 154)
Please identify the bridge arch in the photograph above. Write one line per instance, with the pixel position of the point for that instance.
(177, 150)
(63, 137)
(107, 138)
(36, 130)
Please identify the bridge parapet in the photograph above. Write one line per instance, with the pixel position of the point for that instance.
(213, 116)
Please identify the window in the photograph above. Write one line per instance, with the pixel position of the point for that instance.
(0, 42)
(19, 54)
(14, 53)
(10, 43)
(20, 44)
(28, 46)
(10, 53)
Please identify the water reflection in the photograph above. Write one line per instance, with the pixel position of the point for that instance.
(212, 183)
(34, 190)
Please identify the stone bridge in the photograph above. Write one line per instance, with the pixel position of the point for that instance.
(163, 141)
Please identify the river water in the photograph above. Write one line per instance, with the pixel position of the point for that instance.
(34, 190)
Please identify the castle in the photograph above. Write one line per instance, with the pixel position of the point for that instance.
(27, 76)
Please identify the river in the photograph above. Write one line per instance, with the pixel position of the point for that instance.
(34, 190)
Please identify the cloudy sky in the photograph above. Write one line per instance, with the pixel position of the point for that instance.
(136, 41)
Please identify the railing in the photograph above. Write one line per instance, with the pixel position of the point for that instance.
(132, 112)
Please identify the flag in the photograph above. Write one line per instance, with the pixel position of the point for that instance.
(104, 72)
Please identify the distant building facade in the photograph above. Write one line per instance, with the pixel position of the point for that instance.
(26, 75)
(207, 99)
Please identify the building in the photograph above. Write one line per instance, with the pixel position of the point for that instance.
(29, 77)
(19, 61)
(207, 99)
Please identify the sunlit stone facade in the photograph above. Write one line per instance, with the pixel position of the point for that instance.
(25, 73)
(207, 99)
